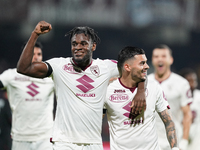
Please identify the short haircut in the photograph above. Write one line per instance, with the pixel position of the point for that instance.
(163, 46)
(87, 31)
(127, 53)
(37, 44)
(186, 71)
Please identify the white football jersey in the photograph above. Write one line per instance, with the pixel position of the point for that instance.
(80, 99)
(123, 134)
(178, 94)
(195, 126)
(31, 102)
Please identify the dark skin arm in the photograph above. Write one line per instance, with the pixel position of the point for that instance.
(170, 127)
(139, 101)
(25, 65)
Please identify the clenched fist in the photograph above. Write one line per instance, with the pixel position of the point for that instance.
(42, 27)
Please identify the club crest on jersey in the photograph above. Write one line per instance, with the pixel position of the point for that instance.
(189, 94)
(118, 98)
(95, 70)
(69, 68)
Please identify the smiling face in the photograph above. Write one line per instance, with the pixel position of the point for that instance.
(82, 48)
(138, 67)
(161, 60)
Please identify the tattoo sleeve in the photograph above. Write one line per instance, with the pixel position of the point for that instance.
(170, 127)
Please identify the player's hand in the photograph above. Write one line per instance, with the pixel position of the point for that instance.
(42, 27)
(138, 103)
(137, 118)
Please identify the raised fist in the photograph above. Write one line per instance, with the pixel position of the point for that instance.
(42, 27)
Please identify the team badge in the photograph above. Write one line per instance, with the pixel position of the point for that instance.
(189, 94)
(95, 70)
(69, 68)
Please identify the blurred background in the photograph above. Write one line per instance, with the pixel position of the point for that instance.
(141, 23)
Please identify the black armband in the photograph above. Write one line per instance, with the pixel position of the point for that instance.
(50, 70)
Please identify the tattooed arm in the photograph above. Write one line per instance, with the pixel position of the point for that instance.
(170, 127)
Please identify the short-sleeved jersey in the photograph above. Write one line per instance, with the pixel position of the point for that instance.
(195, 126)
(31, 102)
(123, 134)
(178, 94)
(80, 97)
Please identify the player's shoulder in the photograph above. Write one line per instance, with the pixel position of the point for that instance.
(105, 64)
(58, 59)
(10, 71)
(176, 78)
(152, 84)
(114, 84)
(197, 92)
(105, 61)
(9, 74)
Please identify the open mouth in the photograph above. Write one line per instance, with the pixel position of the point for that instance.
(160, 66)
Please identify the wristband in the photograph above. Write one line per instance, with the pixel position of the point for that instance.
(183, 144)
(175, 148)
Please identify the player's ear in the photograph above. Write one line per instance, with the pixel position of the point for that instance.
(94, 45)
(127, 67)
(171, 60)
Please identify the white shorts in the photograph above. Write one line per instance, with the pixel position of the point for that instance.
(76, 146)
(43, 144)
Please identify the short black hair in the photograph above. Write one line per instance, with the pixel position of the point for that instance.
(186, 71)
(87, 31)
(37, 44)
(163, 46)
(126, 53)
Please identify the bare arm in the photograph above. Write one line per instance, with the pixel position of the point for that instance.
(25, 65)
(139, 101)
(187, 120)
(170, 127)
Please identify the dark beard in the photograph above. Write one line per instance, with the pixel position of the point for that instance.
(81, 64)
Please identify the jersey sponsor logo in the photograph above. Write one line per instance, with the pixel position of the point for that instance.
(140, 118)
(128, 109)
(95, 70)
(119, 91)
(118, 98)
(85, 83)
(33, 90)
(128, 122)
(22, 78)
(33, 99)
(69, 68)
(85, 95)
